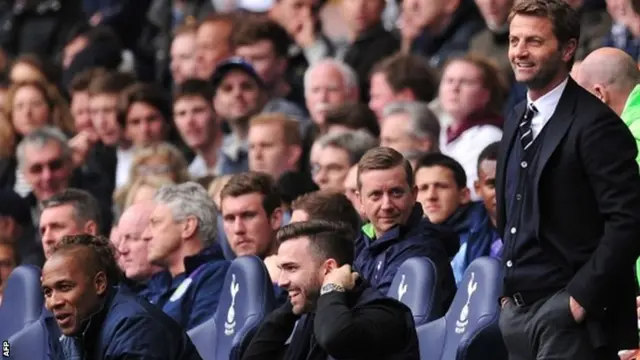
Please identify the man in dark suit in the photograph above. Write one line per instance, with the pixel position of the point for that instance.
(568, 202)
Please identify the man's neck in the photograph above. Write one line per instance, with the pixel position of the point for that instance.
(189, 248)
(240, 128)
(209, 152)
(535, 94)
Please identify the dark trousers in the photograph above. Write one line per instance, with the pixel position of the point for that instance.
(546, 330)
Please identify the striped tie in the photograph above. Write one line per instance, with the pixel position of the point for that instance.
(526, 135)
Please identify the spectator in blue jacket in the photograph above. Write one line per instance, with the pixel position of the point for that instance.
(445, 199)
(397, 230)
(99, 320)
(181, 231)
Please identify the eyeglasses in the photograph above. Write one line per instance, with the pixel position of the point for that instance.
(53, 165)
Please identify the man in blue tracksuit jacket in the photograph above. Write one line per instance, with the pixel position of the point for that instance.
(98, 319)
(397, 230)
(181, 233)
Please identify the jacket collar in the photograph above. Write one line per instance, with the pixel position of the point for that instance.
(211, 253)
(395, 232)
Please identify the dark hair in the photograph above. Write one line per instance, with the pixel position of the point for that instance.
(5, 82)
(99, 255)
(412, 72)
(489, 153)
(438, 159)
(564, 19)
(194, 87)
(85, 206)
(355, 116)
(82, 80)
(327, 240)
(254, 29)
(253, 182)
(330, 206)
(148, 94)
(110, 83)
(384, 158)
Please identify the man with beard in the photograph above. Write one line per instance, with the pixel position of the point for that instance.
(568, 202)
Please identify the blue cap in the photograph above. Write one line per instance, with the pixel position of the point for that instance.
(234, 63)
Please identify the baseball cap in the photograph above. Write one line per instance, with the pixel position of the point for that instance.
(14, 206)
(234, 63)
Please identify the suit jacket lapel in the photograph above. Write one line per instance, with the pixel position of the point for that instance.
(557, 127)
(506, 144)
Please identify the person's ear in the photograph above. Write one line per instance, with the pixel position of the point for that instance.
(275, 220)
(91, 228)
(465, 196)
(100, 283)
(295, 152)
(329, 265)
(189, 227)
(601, 93)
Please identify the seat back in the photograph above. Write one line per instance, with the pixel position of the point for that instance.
(22, 301)
(470, 329)
(32, 342)
(416, 285)
(247, 297)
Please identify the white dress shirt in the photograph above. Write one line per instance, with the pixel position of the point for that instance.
(546, 106)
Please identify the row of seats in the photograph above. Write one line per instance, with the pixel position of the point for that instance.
(468, 331)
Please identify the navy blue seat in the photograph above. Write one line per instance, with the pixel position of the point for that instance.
(22, 300)
(247, 297)
(469, 330)
(416, 285)
(32, 342)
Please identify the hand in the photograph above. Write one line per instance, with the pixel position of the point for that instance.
(577, 310)
(342, 276)
(304, 32)
(80, 146)
(629, 354)
(503, 302)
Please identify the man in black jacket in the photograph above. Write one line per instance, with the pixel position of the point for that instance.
(568, 202)
(338, 315)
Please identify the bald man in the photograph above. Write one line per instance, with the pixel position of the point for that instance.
(131, 247)
(613, 76)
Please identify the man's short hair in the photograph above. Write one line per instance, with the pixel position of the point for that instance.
(330, 206)
(85, 206)
(96, 254)
(253, 182)
(290, 127)
(40, 138)
(490, 153)
(82, 80)
(423, 123)
(190, 199)
(195, 88)
(384, 158)
(189, 28)
(327, 240)
(438, 159)
(412, 72)
(355, 116)
(564, 19)
(254, 29)
(355, 143)
(148, 94)
(111, 83)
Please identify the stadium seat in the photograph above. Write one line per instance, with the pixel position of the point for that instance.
(469, 330)
(32, 342)
(415, 285)
(22, 301)
(247, 297)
